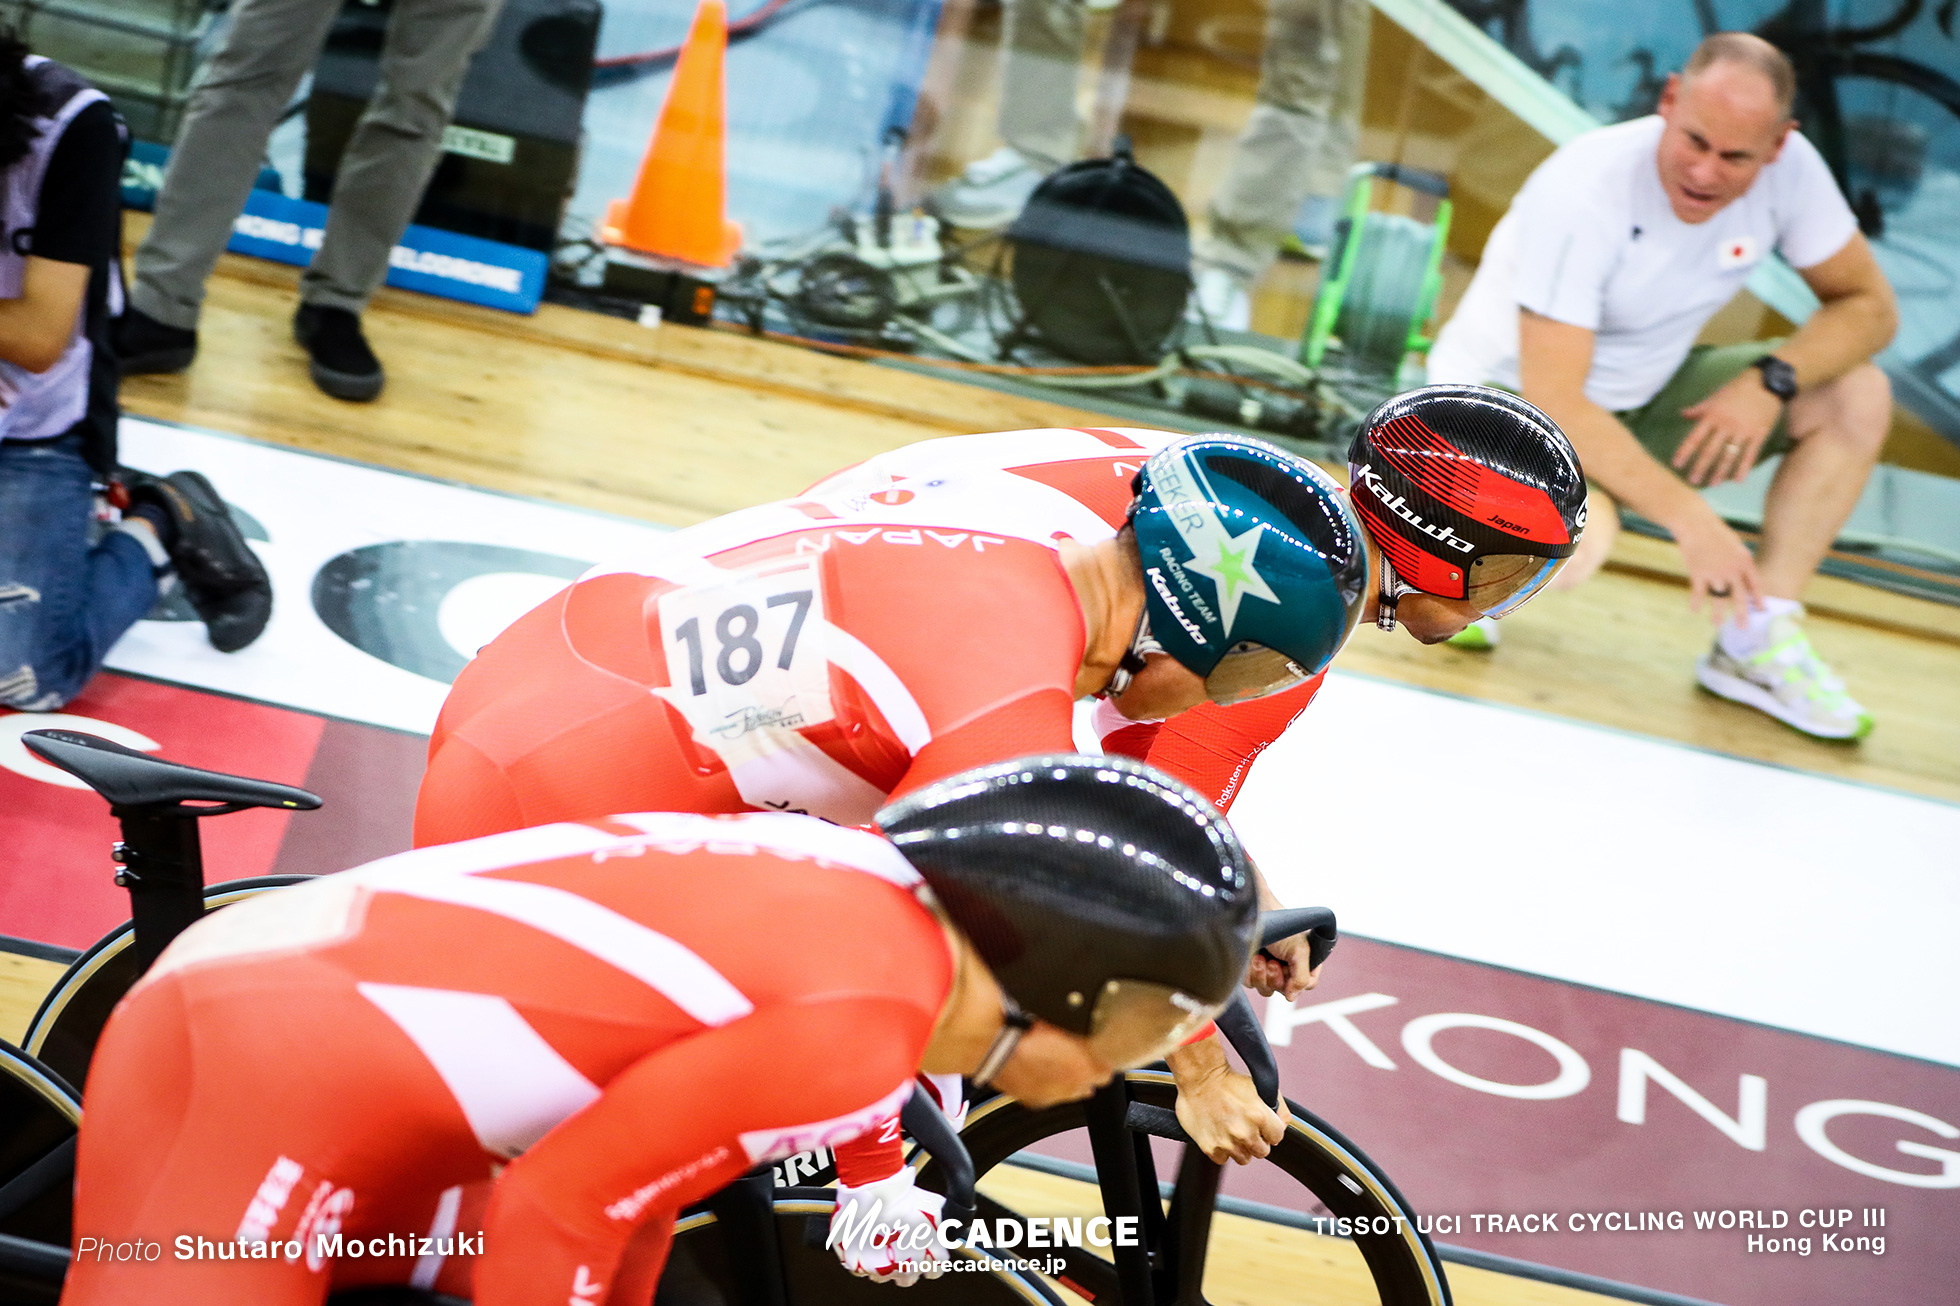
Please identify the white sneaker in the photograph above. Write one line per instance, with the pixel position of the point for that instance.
(1222, 300)
(991, 192)
(1786, 679)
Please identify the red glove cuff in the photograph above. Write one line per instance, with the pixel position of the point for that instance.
(878, 1153)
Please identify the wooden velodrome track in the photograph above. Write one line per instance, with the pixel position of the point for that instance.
(675, 425)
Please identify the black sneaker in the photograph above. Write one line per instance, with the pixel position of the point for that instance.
(223, 579)
(145, 345)
(343, 365)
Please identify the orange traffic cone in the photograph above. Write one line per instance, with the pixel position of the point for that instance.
(677, 204)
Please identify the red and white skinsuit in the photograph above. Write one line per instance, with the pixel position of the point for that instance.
(901, 621)
(1209, 747)
(620, 1015)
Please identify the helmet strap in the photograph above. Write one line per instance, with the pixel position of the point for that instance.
(1014, 1022)
(1141, 646)
(1391, 595)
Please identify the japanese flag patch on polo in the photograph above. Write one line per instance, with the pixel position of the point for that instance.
(1736, 252)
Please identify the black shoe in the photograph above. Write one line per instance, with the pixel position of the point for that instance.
(144, 344)
(343, 365)
(223, 579)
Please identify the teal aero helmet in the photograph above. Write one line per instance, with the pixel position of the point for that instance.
(1254, 565)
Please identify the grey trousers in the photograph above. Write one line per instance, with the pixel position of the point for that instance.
(1301, 137)
(239, 94)
(1041, 62)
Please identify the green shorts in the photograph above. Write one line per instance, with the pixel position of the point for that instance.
(1658, 423)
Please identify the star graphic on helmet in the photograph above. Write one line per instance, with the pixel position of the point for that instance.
(1231, 568)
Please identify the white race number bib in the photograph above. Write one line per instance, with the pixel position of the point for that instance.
(746, 658)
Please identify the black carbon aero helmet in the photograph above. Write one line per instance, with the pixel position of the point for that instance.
(1470, 493)
(1107, 898)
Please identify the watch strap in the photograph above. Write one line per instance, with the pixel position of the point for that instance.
(1779, 378)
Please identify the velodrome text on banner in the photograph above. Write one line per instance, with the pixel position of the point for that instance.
(428, 259)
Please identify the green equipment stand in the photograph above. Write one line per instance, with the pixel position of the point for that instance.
(1379, 284)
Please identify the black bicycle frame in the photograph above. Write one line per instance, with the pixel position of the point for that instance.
(161, 856)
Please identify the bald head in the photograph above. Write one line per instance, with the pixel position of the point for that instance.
(1740, 52)
(1726, 116)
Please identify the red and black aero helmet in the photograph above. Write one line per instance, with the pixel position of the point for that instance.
(1471, 493)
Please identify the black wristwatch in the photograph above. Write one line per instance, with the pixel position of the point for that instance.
(1779, 378)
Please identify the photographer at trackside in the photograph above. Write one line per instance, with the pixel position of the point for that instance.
(1592, 290)
(66, 597)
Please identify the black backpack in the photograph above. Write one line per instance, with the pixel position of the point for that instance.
(1101, 263)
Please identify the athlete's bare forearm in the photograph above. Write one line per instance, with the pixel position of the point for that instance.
(1857, 315)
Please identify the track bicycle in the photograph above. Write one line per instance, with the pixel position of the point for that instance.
(160, 858)
(727, 1246)
(1385, 1259)
(755, 1243)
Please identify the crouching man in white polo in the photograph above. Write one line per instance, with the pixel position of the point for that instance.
(1591, 292)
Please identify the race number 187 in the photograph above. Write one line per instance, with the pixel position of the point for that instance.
(740, 651)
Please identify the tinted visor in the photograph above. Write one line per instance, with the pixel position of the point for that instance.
(1137, 1022)
(1250, 671)
(1500, 582)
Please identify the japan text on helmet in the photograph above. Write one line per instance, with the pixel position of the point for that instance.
(1107, 898)
(1254, 566)
(1469, 493)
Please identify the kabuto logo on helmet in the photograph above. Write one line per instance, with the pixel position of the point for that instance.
(1157, 583)
(1227, 560)
(1249, 554)
(1399, 505)
(1460, 478)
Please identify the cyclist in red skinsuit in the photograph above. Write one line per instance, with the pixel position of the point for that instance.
(317, 1061)
(844, 614)
(613, 972)
(554, 721)
(599, 1023)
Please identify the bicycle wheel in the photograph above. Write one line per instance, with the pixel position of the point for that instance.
(70, 1019)
(1397, 1267)
(699, 1272)
(37, 1166)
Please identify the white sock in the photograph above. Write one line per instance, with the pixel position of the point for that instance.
(144, 534)
(1745, 639)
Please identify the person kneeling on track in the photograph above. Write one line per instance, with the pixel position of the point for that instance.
(1593, 290)
(541, 1045)
(69, 591)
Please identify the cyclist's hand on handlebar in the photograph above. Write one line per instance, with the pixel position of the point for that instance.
(908, 1217)
(1284, 971)
(1221, 1109)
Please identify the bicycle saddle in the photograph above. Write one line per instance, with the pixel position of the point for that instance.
(129, 779)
